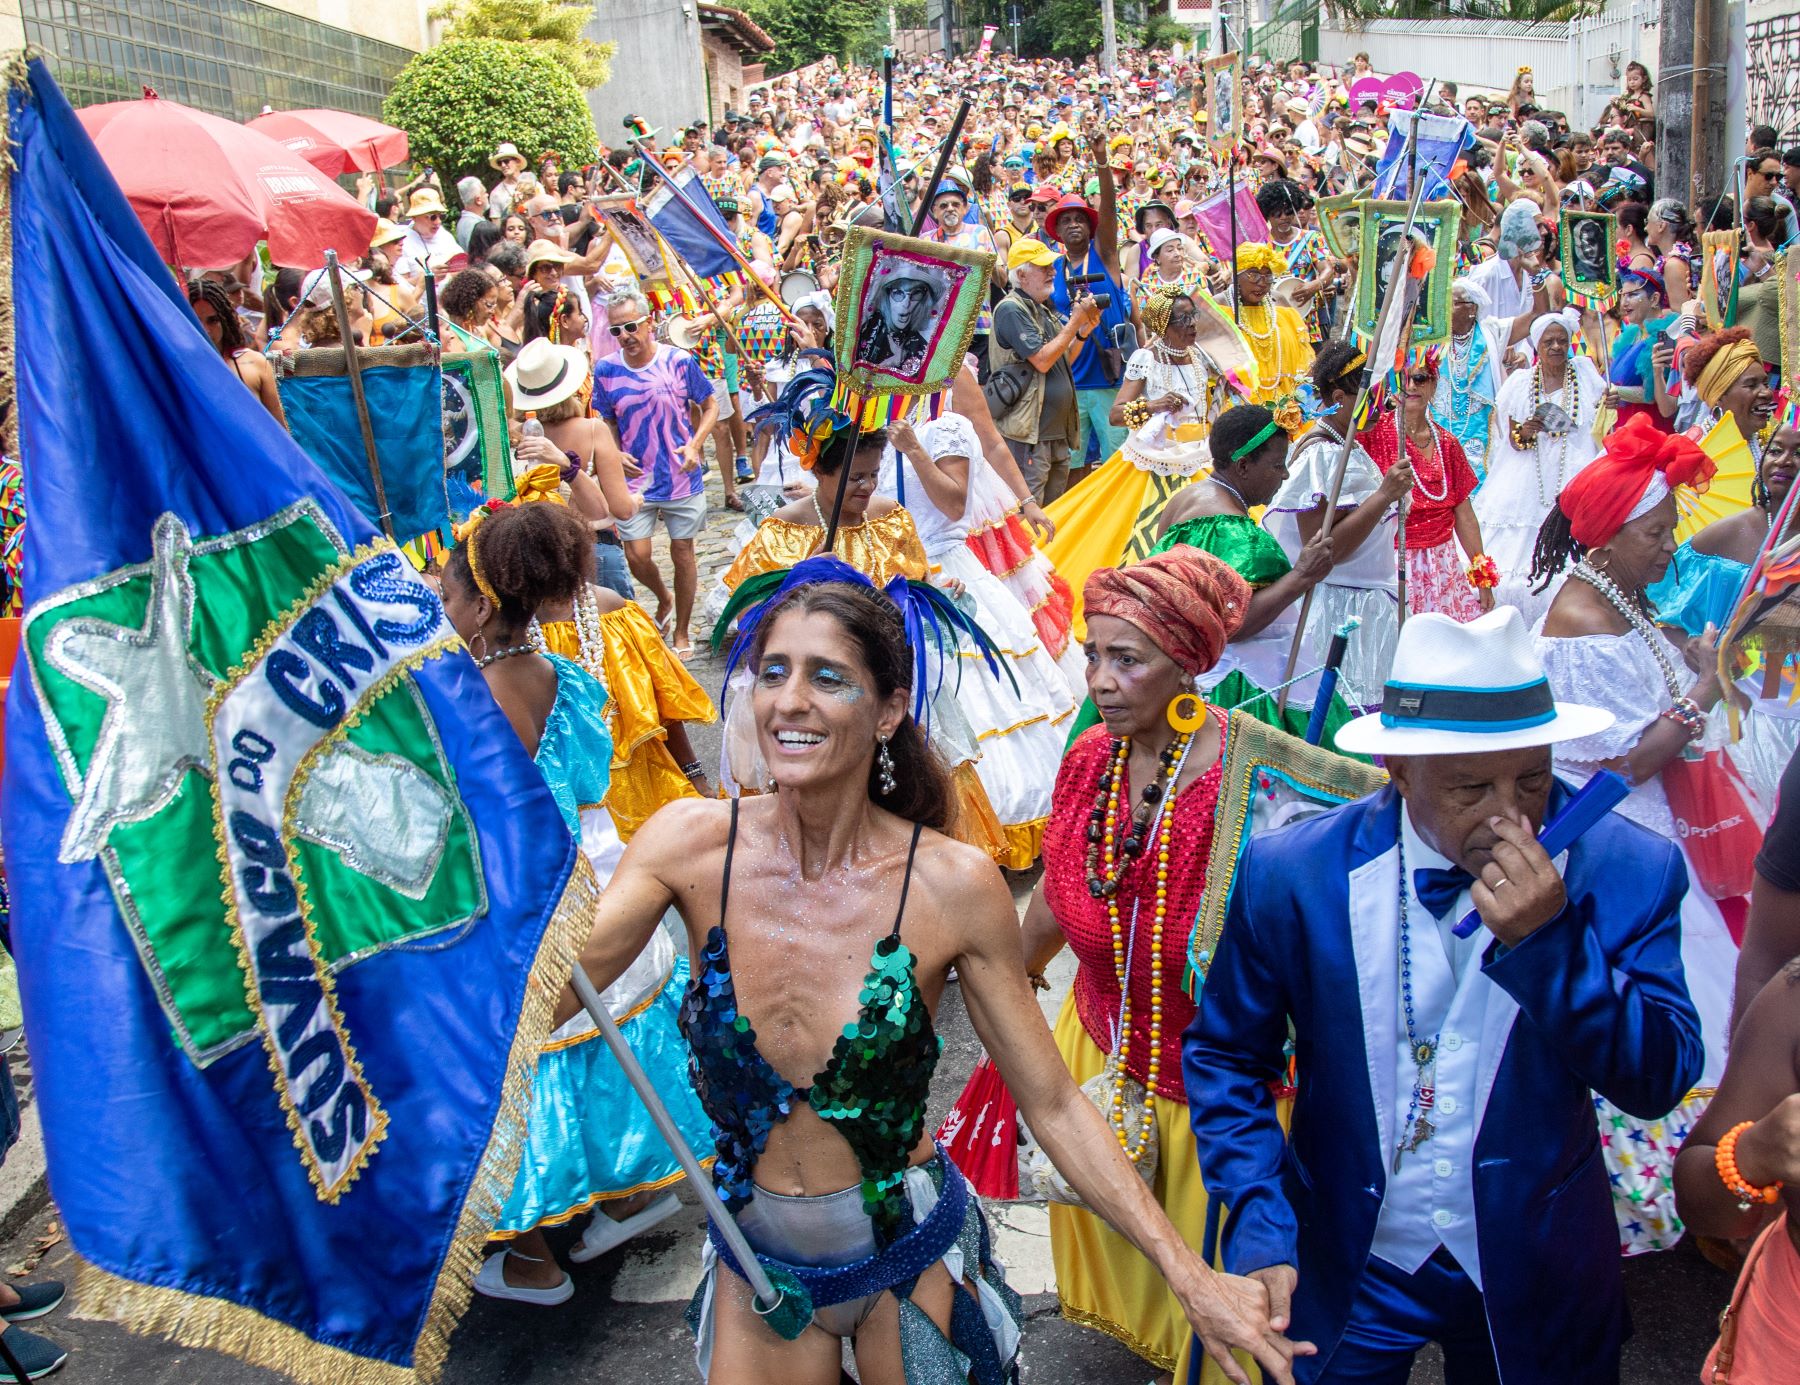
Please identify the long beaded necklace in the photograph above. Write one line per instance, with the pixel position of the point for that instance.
(588, 634)
(1104, 849)
(1614, 597)
(1417, 1127)
(1437, 456)
(1268, 337)
(1570, 399)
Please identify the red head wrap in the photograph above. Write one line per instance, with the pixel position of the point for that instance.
(1603, 494)
(1188, 602)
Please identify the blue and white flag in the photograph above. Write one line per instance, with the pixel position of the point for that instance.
(291, 904)
(1443, 139)
(682, 220)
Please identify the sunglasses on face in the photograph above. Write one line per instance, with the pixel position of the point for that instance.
(1420, 377)
(1018, 197)
(552, 215)
(620, 328)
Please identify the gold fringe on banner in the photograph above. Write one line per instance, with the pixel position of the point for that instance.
(16, 76)
(194, 1320)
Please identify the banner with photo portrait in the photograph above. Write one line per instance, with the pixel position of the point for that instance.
(637, 240)
(1588, 252)
(1383, 231)
(906, 310)
(1224, 101)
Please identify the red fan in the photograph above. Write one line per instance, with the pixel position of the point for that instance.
(981, 1133)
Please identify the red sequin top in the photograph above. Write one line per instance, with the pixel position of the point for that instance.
(1440, 483)
(1089, 931)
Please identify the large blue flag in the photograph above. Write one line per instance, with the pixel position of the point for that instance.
(1443, 139)
(291, 904)
(679, 218)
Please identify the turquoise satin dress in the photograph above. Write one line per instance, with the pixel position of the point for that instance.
(588, 1138)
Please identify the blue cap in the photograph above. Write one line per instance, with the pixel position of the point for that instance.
(947, 186)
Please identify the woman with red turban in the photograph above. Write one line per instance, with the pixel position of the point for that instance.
(1125, 871)
(1613, 528)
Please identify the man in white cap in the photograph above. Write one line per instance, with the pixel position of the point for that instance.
(1444, 1181)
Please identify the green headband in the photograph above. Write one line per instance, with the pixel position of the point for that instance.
(1269, 430)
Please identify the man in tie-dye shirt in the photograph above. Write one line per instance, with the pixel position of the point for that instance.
(660, 406)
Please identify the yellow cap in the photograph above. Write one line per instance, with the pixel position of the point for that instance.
(1030, 250)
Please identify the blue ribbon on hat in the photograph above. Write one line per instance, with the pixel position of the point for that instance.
(1435, 708)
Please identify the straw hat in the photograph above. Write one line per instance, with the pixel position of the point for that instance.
(541, 250)
(386, 233)
(1462, 688)
(507, 150)
(425, 202)
(544, 373)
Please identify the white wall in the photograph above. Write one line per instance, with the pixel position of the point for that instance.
(1576, 67)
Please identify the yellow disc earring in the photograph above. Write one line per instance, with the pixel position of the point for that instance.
(1183, 720)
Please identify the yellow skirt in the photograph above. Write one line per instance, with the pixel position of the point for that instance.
(1103, 1280)
(1108, 519)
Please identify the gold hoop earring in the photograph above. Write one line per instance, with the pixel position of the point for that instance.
(1183, 721)
(482, 636)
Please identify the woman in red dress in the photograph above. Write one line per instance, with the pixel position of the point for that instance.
(1446, 568)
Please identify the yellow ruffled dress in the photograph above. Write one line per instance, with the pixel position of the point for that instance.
(883, 547)
(650, 687)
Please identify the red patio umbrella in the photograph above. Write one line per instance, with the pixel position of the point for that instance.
(335, 142)
(208, 189)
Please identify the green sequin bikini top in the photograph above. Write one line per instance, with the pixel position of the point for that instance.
(873, 1090)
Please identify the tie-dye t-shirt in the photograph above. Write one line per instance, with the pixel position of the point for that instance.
(649, 410)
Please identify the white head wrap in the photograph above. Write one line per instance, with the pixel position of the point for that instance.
(1568, 319)
(1471, 289)
(1657, 493)
(820, 300)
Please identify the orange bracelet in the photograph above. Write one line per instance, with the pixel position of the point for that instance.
(1725, 1161)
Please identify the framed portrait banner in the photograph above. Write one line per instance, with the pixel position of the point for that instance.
(636, 238)
(1382, 232)
(1719, 254)
(1340, 216)
(1224, 101)
(906, 310)
(1589, 254)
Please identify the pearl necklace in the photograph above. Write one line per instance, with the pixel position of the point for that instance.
(1157, 795)
(588, 635)
(1437, 455)
(1570, 396)
(1634, 617)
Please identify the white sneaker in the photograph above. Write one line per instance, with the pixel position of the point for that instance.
(604, 1234)
(492, 1282)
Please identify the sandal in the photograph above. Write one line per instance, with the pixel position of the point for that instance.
(735, 502)
(491, 1283)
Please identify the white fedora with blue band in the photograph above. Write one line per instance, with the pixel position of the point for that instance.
(1463, 688)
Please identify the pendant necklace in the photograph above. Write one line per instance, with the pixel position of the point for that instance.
(1417, 1128)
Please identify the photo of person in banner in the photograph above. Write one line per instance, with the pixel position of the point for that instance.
(1383, 231)
(905, 311)
(642, 248)
(1589, 259)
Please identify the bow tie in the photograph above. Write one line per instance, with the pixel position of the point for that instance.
(1438, 887)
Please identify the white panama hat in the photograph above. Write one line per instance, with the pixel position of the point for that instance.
(1466, 688)
(544, 373)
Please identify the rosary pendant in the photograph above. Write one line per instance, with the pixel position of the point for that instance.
(1422, 1131)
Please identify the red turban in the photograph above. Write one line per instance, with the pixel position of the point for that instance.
(1603, 494)
(1188, 602)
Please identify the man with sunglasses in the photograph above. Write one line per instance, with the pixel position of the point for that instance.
(660, 406)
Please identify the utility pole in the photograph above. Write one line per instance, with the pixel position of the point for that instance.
(1109, 39)
(1694, 150)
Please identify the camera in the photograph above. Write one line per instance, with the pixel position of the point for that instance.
(1103, 301)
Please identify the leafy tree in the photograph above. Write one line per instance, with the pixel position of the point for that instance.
(459, 100)
(1162, 32)
(807, 30)
(1064, 28)
(555, 25)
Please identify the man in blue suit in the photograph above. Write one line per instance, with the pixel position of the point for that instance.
(1443, 1180)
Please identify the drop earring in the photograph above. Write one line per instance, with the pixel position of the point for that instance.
(884, 766)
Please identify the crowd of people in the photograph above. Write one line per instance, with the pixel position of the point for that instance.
(1167, 481)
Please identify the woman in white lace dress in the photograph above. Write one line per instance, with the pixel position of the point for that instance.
(1612, 534)
(1531, 457)
(1020, 722)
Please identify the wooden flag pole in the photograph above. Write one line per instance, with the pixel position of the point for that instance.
(353, 368)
